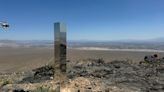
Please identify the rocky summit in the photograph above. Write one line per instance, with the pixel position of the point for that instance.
(90, 75)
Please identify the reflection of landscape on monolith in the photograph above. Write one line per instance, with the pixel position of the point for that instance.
(60, 52)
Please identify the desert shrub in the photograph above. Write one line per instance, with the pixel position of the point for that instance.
(151, 60)
(5, 82)
(43, 89)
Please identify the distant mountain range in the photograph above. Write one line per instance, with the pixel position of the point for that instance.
(26, 43)
(155, 44)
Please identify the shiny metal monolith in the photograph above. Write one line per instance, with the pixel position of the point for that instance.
(60, 52)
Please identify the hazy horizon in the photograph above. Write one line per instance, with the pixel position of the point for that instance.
(83, 40)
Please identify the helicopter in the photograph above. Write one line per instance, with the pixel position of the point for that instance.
(4, 25)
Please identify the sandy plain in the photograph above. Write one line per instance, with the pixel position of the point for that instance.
(25, 59)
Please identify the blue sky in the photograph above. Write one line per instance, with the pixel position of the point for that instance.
(85, 19)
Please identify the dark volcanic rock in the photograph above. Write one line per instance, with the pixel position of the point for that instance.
(19, 90)
(44, 71)
(40, 74)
